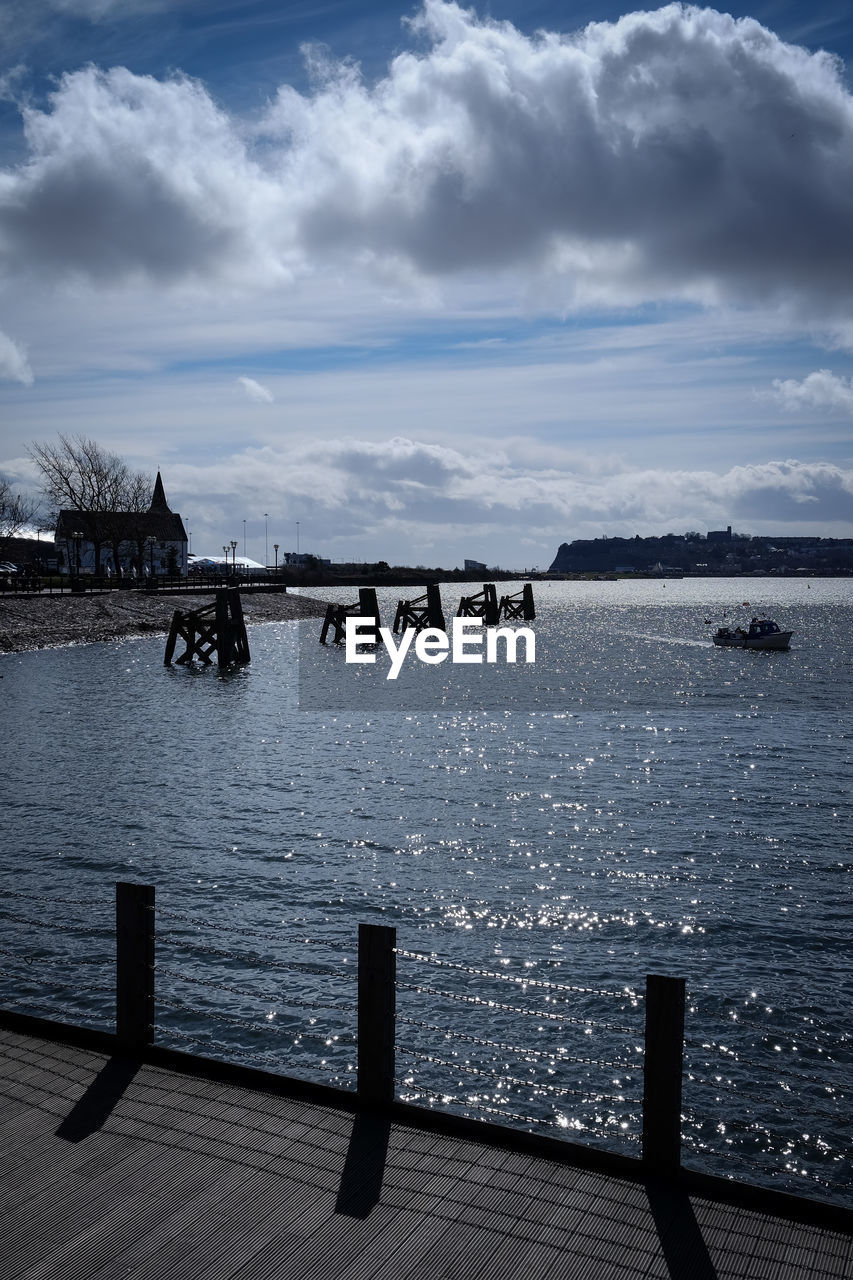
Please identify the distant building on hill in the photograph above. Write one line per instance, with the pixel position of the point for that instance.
(124, 543)
(719, 552)
(475, 566)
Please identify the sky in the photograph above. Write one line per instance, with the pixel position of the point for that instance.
(434, 282)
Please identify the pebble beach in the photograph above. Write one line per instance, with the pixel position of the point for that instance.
(45, 621)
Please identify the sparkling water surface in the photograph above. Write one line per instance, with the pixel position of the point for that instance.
(542, 836)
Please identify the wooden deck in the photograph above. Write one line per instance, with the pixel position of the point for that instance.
(112, 1167)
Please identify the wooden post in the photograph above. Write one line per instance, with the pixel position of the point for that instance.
(662, 1071)
(528, 607)
(134, 966)
(377, 972)
(224, 642)
(368, 607)
(435, 613)
(491, 617)
(238, 625)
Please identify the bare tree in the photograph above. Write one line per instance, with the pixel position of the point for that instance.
(79, 474)
(16, 511)
(128, 523)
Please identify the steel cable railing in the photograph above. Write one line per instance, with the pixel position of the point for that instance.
(560, 1090)
(253, 1001)
(33, 964)
(556, 1057)
(744, 1101)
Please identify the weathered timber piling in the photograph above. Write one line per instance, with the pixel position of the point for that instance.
(134, 965)
(519, 605)
(216, 628)
(377, 978)
(424, 611)
(367, 606)
(482, 605)
(662, 1073)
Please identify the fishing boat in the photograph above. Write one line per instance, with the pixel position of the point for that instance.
(762, 634)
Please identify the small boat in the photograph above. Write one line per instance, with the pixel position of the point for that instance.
(762, 634)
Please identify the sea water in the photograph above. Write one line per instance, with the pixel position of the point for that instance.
(542, 836)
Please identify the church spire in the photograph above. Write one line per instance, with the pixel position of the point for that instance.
(158, 500)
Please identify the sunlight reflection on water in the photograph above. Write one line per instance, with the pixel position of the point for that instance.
(647, 804)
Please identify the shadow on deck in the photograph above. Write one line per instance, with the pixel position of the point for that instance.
(114, 1167)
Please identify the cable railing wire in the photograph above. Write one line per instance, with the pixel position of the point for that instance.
(745, 1160)
(54, 902)
(764, 1099)
(341, 1037)
(65, 985)
(510, 1008)
(268, 997)
(741, 1023)
(733, 1056)
(213, 1004)
(295, 966)
(445, 1098)
(525, 1052)
(269, 934)
(627, 994)
(54, 925)
(33, 1003)
(557, 1090)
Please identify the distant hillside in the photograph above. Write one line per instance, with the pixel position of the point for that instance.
(717, 552)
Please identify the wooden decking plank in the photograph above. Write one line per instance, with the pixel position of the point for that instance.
(49, 1168)
(197, 1214)
(121, 1213)
(331, 1247)
(198, 1178)
(388, 1244)
(405, 1259)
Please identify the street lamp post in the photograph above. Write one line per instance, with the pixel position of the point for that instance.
(75, 576)
(297, 537)
(244, 537)
(275, 549)
(149, 542)
(266, 541)
(234, 555)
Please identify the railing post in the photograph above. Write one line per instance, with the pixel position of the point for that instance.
(134, 965)
(662, 1071)
(377, 973)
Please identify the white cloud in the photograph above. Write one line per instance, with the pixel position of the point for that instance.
(13, 361)
(679, 153)
(256, 391)
(820, 390)
(95, 10)
(398, 495)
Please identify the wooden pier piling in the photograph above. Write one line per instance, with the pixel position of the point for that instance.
(662, 1073)
(335, 620)
(377, 977)
(424, 611)
(218, 628)
(134, 966)
(519, 605)
(484, 604)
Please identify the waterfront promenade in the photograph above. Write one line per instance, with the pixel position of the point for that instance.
(43, 621)
(115, 1166)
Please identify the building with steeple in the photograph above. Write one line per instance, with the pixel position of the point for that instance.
(123, 543)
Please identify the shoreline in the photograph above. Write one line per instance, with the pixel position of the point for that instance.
(48, 622)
